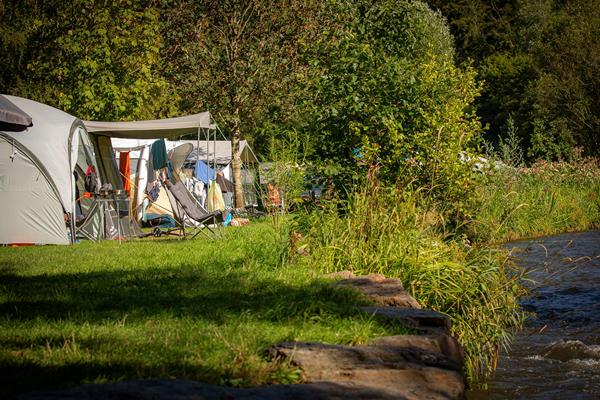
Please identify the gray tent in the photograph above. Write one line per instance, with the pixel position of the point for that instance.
(42, 170)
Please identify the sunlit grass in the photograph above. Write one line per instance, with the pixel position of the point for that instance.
(200, 309)
(546, 199)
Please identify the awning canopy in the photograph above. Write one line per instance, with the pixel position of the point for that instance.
(11, 114)
(157, 128)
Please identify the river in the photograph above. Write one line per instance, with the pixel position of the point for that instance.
(557, 355)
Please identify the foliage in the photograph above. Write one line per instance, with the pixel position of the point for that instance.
(287, 169)
(383, 230)
(508, 90)
(16, 26)
(544, 199)
(539, 62)
(566, 45)
(388, 93)
(98, 61)
(510, 149)
(99, 312)
(234, 57)
(481, 28)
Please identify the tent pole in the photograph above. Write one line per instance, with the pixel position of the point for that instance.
(215, 152)
(207, 139)
(73, 185)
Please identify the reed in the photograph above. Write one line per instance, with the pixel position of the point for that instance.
(382, 230)
(544, 199)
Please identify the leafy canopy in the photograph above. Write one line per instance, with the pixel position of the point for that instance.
(388, 93)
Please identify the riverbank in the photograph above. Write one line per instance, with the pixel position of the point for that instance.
(208, 310)
(456, 269)
(545, 199)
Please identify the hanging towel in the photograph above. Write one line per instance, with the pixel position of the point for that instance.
(151, 173)
(124, 170)
(159, 154)
(215, 198)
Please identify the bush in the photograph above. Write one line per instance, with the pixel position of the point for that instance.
(388, 93)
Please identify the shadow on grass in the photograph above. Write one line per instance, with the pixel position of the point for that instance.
(17, 378)
(177, 292)
(159, 294)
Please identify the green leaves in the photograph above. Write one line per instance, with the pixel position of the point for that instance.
(388, 88)
(97, 61)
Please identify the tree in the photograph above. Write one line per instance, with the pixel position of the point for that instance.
(480, 27)
(388, 92)
(238, 58)
(565, 41)
(96, 61)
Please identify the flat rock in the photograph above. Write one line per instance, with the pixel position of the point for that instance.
(420, 319)
(321, 361)
(384, 292)
(436, 343)
(401, 372)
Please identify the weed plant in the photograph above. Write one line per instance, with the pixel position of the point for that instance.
(382, 230)
(544, 199)
(202, 310)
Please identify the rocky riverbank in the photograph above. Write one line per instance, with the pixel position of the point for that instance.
(425, 365)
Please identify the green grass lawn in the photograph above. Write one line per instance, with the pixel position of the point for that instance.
(200, 309)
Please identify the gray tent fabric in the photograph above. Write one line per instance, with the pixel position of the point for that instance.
(11, 114)
(155, 129)
(40, 170)
(221, 151)
(49, 140)
(31, 210)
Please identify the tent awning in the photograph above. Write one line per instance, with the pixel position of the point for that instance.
(11, 114)
(157, 128)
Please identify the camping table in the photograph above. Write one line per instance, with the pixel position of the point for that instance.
(114, 197)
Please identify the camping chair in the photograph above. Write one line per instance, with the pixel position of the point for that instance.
(186, 206)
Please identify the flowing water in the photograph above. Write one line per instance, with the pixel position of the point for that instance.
(557, 355)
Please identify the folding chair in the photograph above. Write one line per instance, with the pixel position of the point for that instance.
(185, 205)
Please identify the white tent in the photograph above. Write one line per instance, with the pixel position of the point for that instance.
(152, 129)
(143, 131)
(138, 136)
(42, 169)
(220, 150)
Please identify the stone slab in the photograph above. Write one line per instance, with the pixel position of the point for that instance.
(384, 292)
(420, 319)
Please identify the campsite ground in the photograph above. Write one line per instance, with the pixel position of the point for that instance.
(200, 309)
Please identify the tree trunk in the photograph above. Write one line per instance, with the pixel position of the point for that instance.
(236, 164)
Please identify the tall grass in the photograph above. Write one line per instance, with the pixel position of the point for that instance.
(380, 230)
(544, 199)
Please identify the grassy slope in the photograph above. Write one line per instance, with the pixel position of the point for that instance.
(183, 309)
